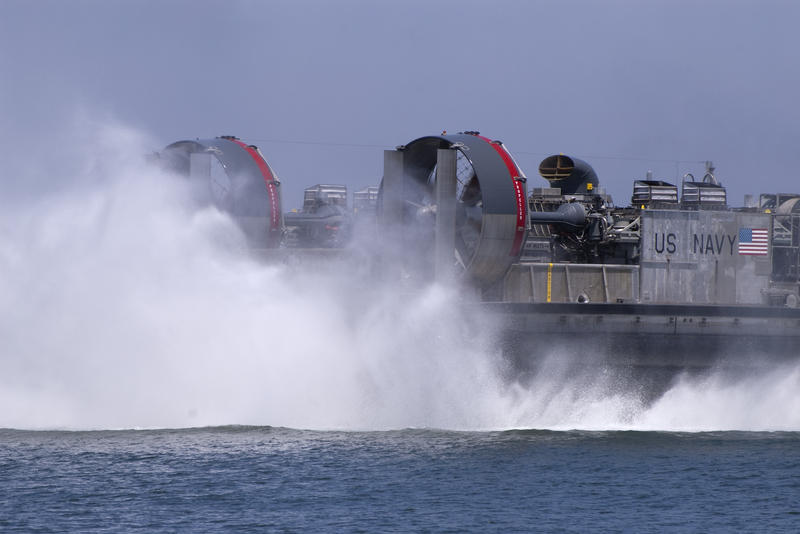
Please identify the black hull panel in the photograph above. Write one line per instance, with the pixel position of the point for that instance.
(650, 335)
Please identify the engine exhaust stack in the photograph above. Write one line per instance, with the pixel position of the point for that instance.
(572, 175)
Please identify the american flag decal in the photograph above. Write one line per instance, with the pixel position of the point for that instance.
(753, 241)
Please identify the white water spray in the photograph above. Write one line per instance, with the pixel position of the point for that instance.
(125, 305)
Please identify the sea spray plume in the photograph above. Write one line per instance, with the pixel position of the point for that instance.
(764, 399)
(562, 388)
(85, 258)
(129, 305)
(565, 392)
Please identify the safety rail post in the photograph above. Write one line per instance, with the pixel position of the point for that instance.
(445, 213)
(392, 205)
(391, 214)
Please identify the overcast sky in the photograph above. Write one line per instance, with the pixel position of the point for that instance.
(324, 86)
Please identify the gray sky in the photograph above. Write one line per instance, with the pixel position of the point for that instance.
(323, 87)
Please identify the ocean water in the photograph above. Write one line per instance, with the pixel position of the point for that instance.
(155, 377)
(262, 479)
